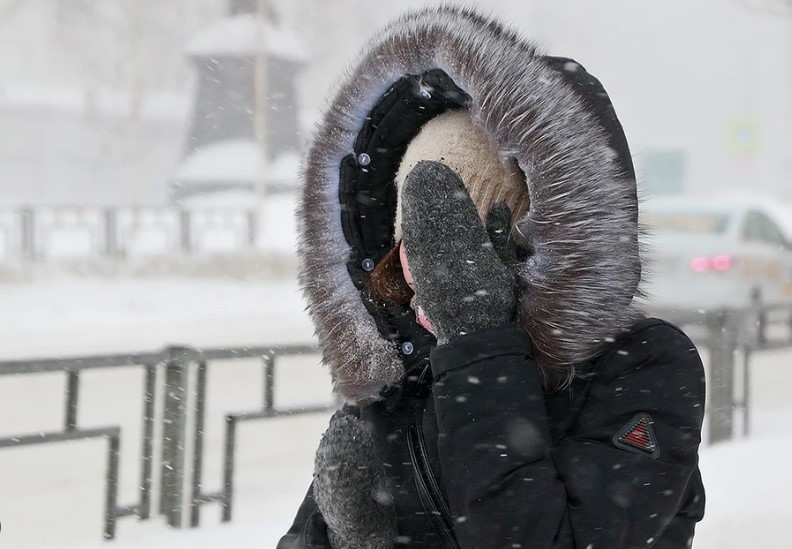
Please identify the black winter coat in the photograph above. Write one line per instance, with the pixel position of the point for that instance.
(480, 457)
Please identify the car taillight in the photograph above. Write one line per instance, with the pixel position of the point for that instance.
(720, 263)
(700, 264)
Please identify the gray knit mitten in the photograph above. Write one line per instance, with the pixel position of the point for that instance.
(463, 282)
(350, 487)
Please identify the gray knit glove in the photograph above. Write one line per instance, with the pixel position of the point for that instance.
(463, 282)
(350, 487)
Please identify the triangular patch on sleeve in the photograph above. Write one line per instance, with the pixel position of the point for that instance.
(638, 436)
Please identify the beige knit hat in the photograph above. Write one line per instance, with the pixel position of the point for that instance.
(452, 139)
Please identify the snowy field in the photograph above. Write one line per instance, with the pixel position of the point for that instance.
(51, 496)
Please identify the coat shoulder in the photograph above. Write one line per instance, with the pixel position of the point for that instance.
(650, 343)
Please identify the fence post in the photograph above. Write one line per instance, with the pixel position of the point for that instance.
(723, 332)
(111, 495)
(72, 399)
(198, 436)
(27, 233)
(252, 228)
(174, 428)
(228, 469)
(147, 446)
(746, 400)
(185, 234)
(268, 360)
(111, 233)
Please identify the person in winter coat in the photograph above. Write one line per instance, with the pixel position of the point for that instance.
(470, 258)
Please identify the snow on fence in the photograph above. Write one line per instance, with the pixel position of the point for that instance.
(60, 232)
(178, 376)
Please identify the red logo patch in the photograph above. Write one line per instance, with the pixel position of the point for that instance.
(638, 436)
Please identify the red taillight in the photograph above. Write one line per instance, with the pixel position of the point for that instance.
(720, 263)
(701, 264)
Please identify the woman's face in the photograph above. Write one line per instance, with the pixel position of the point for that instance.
(408, 278)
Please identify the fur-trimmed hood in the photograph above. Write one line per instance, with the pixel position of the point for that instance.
(546, 113)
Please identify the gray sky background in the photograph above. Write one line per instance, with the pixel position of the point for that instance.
(709, 83)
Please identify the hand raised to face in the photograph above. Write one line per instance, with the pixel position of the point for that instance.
(459, 278)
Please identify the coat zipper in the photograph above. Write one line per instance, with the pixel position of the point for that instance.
(427, 485)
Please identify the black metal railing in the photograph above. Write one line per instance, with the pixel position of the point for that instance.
(179, 376)
(71, 432)
(175, 374)
(266, 411)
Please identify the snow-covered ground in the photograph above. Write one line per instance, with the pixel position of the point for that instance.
(93, 316)
(52, 495)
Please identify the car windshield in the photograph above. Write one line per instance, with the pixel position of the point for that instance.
(687, 222)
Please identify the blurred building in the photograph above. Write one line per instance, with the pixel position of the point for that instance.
(96, 98)
(244, 131)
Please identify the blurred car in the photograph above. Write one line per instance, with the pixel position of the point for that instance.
(718, 252)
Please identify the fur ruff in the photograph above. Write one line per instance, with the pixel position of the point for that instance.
(579, 283)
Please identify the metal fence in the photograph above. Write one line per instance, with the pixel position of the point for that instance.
(178, 375)
(172, 375)
(34, 234)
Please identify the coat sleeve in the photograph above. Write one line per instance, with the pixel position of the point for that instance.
(509, 486)
(309, 530)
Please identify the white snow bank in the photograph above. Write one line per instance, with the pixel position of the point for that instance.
(749, 495)
(247, 35)
(69, 317)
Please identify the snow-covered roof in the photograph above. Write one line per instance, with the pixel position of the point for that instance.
(247, 35)
(231, 198)
(236, 161)
(233, 161)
